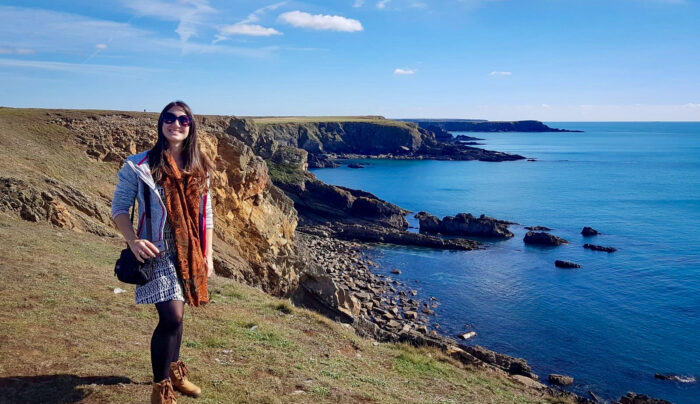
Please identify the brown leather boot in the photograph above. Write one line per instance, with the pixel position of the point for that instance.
(179, 372)
(163, 393)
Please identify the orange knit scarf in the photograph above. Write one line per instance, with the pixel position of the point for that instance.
(182, 205)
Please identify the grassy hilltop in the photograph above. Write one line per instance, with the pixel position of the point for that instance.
(67, 337)
(377, 120)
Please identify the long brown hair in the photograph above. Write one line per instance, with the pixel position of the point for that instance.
(196, 164)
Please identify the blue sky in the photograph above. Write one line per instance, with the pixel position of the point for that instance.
(552, 60)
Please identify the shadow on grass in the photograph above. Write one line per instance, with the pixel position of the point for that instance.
(51, 389)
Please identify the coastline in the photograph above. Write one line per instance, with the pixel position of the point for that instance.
(600, 272)
(397, 313)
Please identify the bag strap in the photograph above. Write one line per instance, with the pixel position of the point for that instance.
(149, 225)
(147, 198)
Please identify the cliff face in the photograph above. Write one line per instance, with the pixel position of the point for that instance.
(347, 137)
(371, 138)
(374, 137)
(316, 201)
(254, 220)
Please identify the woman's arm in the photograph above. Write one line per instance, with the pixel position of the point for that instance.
(123, 199)
(208, 248)
(141, 248)
(209, 252)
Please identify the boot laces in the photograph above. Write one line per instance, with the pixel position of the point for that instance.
(167, 392)
(182, 369)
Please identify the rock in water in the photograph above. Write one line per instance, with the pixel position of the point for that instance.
(561, 380)
(542, 238)
(675, 378)
(599, 248)
(464, 224)
(566, 264)
(468, 335)
(538, 228)
(355, 166)
(589, 231)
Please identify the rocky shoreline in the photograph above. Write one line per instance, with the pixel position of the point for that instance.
(386, 309)
(343, 286)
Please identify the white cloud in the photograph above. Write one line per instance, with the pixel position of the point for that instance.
(382, 4)
(404, 71)
(500, 74)
(358, 3)
(255, 15)
(101, 46)
(44, 31)
(16, 51)
(76, 67)
(56, 33)
(190, 14)
(246, 29)
(322, 22)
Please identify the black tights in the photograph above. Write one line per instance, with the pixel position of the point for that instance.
(165, 343)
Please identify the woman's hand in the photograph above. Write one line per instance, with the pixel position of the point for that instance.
(210, 266)
(143, 249)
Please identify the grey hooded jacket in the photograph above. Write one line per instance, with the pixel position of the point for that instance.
(134, 175)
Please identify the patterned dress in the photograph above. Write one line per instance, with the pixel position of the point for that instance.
(164, 284)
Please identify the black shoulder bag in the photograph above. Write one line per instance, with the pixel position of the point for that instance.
(128, 269)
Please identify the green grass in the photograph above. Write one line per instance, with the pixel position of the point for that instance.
(61, 317)
(413, 364)
(278, 120)
(284, 174)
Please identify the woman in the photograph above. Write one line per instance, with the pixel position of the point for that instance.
(174, 174)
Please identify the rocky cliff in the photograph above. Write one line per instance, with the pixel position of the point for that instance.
(375, 137)
(61, 166)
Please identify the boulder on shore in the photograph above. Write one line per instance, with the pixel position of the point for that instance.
(589, 231)
(599, 248)
(561, 380)
(542, 238)
(566, 264)
(514, 366)
(634, 398)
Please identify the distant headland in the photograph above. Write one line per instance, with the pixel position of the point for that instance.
(479, 125)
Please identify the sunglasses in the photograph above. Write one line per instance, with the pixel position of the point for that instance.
(169, 118)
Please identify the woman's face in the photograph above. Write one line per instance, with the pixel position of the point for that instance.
(176, 131)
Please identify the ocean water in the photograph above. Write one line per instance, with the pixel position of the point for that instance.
(614, 322)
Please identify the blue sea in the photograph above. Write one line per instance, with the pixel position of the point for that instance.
(611, 324)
